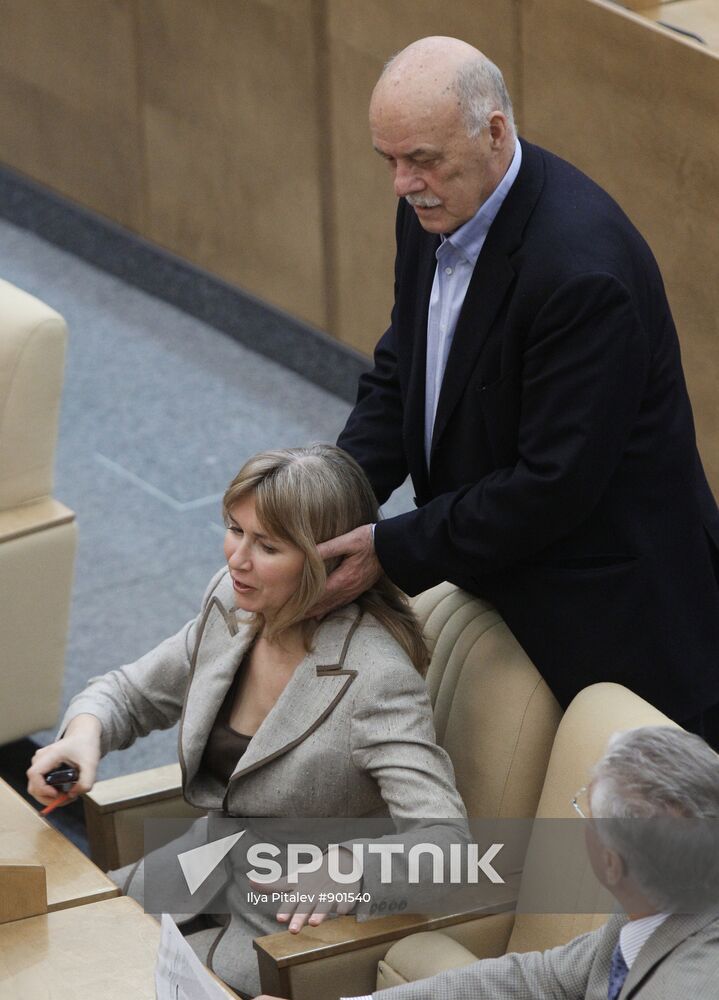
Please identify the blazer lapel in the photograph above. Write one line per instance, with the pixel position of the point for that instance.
(417, 343)
(223, 639)
(317, 685)
(490, 282)
(672, 932)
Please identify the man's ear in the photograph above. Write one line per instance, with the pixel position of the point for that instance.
(614, 867)
(498, 130)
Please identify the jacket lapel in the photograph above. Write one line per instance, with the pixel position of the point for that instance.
(317, 685)
(414, 412)
(493, 275)
(223, 639)
(672, 932)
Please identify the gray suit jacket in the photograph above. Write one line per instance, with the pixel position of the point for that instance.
(350, 735)
(679, 961)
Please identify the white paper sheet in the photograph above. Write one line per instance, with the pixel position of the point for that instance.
(179, 974)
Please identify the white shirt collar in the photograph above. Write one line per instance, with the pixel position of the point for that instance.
(634, 935)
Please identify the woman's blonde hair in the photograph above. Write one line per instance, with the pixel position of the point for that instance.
(309, 495)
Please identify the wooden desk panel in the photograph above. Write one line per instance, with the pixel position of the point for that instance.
(72, 878)
(102, 951)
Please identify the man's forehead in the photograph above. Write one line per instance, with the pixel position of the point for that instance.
(416, 100)
(414, 123)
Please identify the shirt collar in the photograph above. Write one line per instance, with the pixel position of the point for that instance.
(634, 935)
(469, 238)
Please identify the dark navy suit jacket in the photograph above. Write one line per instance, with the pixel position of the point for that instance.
(564, 483)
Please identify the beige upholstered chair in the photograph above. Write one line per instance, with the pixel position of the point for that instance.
(594, 714)
(495, 716)
(493, 713)
(37, 534)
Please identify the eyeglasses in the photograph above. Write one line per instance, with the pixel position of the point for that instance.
(580, 802)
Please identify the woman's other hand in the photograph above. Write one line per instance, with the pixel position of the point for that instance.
(79, 746)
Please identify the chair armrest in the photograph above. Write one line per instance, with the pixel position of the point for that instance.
(15, 522)
(130, 790)
(350, 946)
(421, 956)
(116, 808)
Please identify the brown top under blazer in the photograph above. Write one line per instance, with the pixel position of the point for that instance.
(350, 735)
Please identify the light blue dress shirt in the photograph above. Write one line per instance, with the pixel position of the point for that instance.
(456, 257)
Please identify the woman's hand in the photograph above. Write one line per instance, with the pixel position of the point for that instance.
(323, 896)
(80, 746)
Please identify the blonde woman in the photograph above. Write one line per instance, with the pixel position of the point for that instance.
(280, 715)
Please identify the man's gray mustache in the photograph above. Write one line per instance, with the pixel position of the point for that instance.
(418, 202)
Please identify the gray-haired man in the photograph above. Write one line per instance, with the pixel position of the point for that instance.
(658, 950)
(530, 383)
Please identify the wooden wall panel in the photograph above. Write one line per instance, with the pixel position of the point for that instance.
(361, 37)
(701, 17)
(235, 134)
(68, 101)
(229, 110)
(635, 108)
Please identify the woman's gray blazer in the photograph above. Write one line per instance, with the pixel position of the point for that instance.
(350, 735)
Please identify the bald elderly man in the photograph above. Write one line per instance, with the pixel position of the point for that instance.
(530, 383)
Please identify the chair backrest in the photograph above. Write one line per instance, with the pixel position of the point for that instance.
(37, 533)
(32, 350)
(494, 714)
(591, 718)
